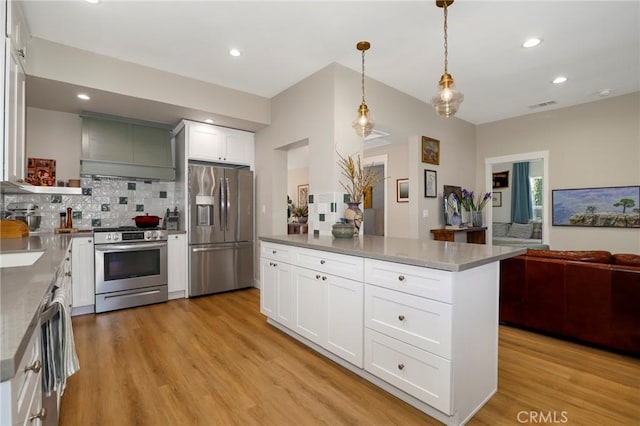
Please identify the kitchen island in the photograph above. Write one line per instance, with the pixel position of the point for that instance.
(417, 318)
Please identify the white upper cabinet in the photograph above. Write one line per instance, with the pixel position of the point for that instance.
(206, 142)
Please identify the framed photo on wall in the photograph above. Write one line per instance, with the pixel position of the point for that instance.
(430, 184)
(303, 192)
(368, 193)
(501, 179)
(402, 190)
(430, 150)
(496, 199)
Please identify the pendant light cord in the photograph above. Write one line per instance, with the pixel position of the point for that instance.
(363, 76)
(446, 44)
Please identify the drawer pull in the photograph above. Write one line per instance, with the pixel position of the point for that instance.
(401, 317)
(400, 366)
(274, 264)
(41, 415)
(401, 278)
(273, 252)
(35, 367)
(67, 274)
(322, 262)
(324, 278)
(317, 276)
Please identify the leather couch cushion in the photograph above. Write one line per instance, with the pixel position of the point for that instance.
(626, 259)
(594, 256)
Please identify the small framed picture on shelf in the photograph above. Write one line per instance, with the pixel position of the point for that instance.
(402, 190)
(430, 184)
(496, 199)
(303, 192)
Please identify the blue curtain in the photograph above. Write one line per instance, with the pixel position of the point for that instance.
(521, 205)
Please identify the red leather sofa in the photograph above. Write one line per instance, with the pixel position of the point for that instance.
(589, 296)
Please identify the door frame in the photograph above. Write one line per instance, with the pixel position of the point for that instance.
(380, 160)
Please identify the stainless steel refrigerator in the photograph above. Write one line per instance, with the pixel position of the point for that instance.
(220, 224)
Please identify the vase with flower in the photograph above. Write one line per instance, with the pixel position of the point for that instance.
(474, 206)
(359, 181)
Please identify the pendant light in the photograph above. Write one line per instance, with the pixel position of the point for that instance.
(363, 125)
(448, 99)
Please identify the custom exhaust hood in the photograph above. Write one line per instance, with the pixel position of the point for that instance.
(125, 148)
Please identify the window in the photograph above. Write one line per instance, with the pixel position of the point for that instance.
(536, 197)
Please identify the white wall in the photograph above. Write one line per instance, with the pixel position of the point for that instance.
(57, 136)
(590, 145)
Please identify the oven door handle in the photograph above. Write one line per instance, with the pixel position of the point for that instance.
(129, 247)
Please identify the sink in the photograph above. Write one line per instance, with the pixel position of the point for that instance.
(23, 258)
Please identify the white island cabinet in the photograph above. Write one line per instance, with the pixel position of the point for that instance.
(82, 275)
(417, 318)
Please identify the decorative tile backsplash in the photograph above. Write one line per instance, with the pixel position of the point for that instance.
(104, 202)
(325, 209)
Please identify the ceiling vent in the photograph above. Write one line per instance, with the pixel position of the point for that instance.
(376, 139)
(543, 104)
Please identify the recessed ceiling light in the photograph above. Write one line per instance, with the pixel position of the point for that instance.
(560, 79)
(93, 1)
(532, 42)
(234, 52)
(604, 92)
(83, 96)
(208, 120)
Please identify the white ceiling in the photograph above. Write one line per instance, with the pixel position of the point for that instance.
(595, 44)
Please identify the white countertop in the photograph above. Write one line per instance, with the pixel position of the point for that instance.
(22, 292)
(443, 255)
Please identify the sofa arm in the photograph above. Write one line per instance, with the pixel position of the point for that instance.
(625, 311)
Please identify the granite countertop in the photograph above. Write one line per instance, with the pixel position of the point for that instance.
(23, 291)
(443, 255)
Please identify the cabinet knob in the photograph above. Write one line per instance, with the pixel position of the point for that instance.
(317, 276)
(401, 278)
(401, 317)
(322, 262)
(41, 415)
(400, 366)
(67, 274)
(89, 241)
(273, 252)
(35, 367)
(67, 259)
(21, 53)
(324, 278)
(275, 264)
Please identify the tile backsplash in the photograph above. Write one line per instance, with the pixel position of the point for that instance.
(104, 202)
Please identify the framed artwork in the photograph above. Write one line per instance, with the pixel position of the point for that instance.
(303, 192)
(451, 197)
(612, 207)
(496, 199)
(430, 184)
(402, 190)
(430, 150)
(368, 193)
(501, 180)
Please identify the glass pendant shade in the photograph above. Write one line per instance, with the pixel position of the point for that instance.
(363, 125)
(448, 99)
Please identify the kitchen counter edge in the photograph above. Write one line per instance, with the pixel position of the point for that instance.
(447, 256)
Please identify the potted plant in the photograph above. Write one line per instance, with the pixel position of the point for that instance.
(301, 213)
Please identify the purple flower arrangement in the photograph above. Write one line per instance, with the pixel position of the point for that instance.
(471, 203)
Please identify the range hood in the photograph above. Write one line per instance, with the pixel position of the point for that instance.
(128, 149)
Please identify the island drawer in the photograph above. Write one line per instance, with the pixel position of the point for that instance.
(421, 322)
(330, 263)
(278, 252)
(417, 372)
(419, 281)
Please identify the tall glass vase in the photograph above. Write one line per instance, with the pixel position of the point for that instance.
(353, 214)
(476, 218)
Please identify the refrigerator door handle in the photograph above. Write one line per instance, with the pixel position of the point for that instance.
(228, 206)
(223, 214)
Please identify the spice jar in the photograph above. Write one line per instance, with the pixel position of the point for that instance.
(63, 220)
(69, 218)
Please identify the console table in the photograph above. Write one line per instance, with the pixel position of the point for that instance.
(474, 235)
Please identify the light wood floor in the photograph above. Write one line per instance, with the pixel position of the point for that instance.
(215, 361)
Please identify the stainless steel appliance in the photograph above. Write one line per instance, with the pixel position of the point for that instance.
(220, 224)
(26, 212)
(130, 267)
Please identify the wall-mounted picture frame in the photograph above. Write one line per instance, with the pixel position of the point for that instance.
(496, 199)
(611, 207)
(430, 184)
(430, 150)
(303, 192)
(451, 197)
(501, 179)
(402, 190)
(368, 197)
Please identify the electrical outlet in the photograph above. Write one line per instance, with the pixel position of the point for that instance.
(425, 213)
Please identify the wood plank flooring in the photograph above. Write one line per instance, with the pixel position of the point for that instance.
(215, 361)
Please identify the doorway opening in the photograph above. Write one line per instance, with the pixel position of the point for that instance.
(375, 201)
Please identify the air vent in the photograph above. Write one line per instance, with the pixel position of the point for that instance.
(542, 104)
(376, 139)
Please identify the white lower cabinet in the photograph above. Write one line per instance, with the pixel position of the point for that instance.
(276, 296)
(21, 396)
(82, 275)
(177, 266)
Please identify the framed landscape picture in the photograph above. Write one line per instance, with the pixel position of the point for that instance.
(430, 150)
(402, 190)
(615, 207)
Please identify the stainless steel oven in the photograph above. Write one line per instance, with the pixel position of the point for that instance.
(130, 267)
